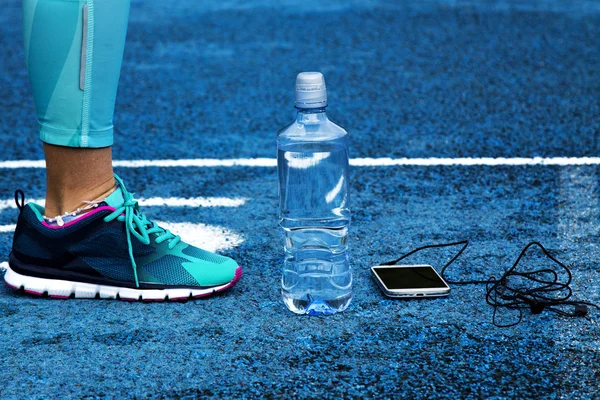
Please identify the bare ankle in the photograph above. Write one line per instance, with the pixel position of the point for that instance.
(75, 175)
(68, 198)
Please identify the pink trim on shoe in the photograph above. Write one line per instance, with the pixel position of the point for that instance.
(11, 286)
(79, 219)
(179, 298)
(58, 296)
(237, 277)
(131, 299)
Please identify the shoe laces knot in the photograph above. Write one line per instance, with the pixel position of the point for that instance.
(138, 225)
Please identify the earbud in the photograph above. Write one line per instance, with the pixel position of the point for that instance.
(536, 306)
(581, 310)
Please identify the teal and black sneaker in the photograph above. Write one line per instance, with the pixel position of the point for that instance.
(113, 251)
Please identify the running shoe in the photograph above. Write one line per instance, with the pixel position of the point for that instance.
(111, 252)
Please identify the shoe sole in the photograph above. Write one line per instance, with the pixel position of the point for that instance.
(59, 289)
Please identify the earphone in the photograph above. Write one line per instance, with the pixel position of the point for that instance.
(545, 292)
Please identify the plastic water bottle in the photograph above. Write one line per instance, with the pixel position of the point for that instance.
(314, 214)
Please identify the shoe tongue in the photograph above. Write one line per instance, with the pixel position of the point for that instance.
(115, 199)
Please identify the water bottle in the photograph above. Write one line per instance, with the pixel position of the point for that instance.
(314, 214)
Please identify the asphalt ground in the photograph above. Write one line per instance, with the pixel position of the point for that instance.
(433, 79)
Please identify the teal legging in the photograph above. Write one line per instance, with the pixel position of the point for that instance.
(74, 50)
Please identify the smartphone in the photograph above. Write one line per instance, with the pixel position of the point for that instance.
(410, 281)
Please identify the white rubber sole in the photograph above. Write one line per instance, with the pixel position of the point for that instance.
(59, 289)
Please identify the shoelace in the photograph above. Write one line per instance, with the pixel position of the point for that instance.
(138, 225)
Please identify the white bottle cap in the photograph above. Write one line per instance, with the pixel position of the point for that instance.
(311, 91)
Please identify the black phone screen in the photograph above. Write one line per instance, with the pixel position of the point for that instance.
(418, 277)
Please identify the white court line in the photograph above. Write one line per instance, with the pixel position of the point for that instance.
(359, 162)
(467, 161)
(160, 201)
(7, 228)
(208, 237)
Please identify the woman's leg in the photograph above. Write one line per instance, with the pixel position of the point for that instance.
(74, 50)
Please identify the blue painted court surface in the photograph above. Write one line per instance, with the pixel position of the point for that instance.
(437, 79)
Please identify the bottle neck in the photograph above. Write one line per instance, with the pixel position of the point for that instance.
(311, 115)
